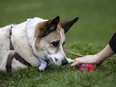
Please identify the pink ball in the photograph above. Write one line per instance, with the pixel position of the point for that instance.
(86, 67)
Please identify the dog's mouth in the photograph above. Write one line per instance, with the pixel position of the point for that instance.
(46, 62)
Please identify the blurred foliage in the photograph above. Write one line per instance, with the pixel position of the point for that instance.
(97, 18)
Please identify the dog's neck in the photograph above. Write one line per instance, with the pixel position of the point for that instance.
(31, 26)
(30, 29)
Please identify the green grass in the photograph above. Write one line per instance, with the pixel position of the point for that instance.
(65, 76)
(96, 25)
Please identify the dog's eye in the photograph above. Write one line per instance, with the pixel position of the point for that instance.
(55, 43)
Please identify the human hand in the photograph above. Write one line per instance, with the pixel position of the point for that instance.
(89, 59)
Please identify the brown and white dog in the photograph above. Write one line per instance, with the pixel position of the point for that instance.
(28, 43)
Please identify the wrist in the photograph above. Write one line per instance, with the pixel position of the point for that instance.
(99, 58)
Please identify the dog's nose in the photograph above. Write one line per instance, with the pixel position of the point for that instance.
(64, 61)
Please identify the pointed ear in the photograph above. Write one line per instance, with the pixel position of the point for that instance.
(67, 25)
(52, 25)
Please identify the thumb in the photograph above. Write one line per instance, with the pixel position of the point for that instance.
(75, 63)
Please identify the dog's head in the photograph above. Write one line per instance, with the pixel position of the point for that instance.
(50, 38)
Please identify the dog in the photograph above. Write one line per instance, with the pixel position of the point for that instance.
(35, 42)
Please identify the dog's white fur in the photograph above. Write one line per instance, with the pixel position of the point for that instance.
(24, 40)
(20, 42)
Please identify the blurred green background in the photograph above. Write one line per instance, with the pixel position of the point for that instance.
(96, 24)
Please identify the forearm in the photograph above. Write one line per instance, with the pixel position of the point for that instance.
(96, 58)
(105, 53)
(109, 50)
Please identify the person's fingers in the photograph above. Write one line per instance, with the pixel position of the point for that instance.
(74, 64)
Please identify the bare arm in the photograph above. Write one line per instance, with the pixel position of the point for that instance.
(96, 58)
(108, 51)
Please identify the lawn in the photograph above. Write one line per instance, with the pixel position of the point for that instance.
(95, 27)
(65, 76)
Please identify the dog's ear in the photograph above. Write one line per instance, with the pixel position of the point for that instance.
(52, 25)
(67, 25)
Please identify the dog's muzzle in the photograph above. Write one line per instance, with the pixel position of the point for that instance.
(64, 61)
